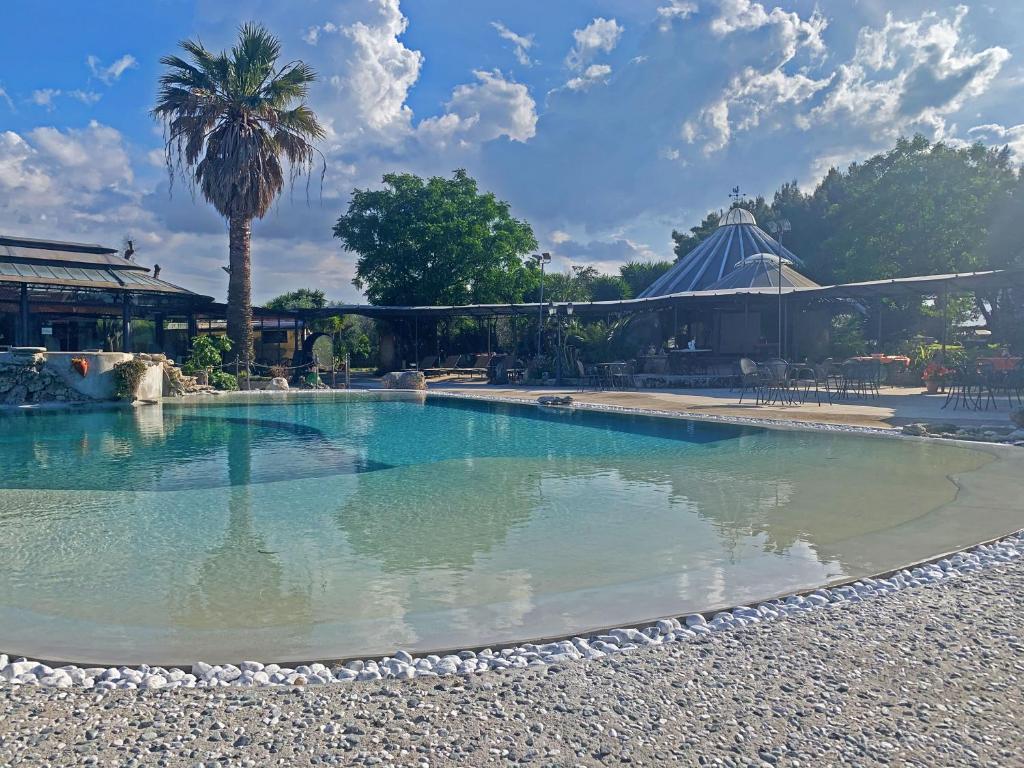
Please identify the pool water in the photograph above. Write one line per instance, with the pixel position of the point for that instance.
(290, 527)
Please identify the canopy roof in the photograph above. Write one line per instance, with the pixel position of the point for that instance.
(762, 270)
(926, 285)
(736, 238)
(51, 263)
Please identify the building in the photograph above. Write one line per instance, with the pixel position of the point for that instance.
(736, 238)
(77, 296)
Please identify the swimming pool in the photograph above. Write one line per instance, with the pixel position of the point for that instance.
(290, 527)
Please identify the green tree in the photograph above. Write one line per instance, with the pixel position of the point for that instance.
(687, 241)
(303, 298)
(640, 274)
(609, 288)
(435, 241)
(232, 120)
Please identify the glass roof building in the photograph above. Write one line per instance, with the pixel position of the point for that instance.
(736, 238)
(79, 296)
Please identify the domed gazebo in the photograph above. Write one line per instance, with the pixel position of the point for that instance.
(736, 238)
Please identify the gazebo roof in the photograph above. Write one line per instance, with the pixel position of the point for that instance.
(762, 270)
(78, 265)
(736, 238)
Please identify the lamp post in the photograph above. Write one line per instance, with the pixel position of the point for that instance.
(541, 259)
(777, 228)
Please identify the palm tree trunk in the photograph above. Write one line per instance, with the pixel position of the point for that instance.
(240, 289)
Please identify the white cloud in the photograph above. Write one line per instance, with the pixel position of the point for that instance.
(793, 32)
(711, 125)
(378, 70)
(904, 75)
(4, 97)
(676, 9)
(112, 73)
(44, 97)
(312, 35)
(86, 97)
(994, 133)
(599, 36)
(910, 75)
(521, 44)
(69, 179)
(558, 236)
(592, 75)
(485, 110)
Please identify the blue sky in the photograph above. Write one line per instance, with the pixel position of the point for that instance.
(606, 124)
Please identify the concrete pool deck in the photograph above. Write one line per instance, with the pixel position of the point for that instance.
(895, 406)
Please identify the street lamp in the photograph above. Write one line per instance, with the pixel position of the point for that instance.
(778, 227)
(541, 259)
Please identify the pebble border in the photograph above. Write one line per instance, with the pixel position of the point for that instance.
(402, 665)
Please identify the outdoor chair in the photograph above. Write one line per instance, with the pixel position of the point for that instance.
(964, 388)
(752, 379)
(778, 387)
(831, 378)
(623, 376)
(428, 363)
(804, 378)
(477, 367)
(862, 379)
(449, 365)
(587, 379)
(1013, 385)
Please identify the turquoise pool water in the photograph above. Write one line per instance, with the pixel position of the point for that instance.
(287, 528)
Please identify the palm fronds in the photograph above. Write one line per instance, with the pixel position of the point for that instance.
(233, 120)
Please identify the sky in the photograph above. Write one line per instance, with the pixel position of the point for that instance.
(605, 124)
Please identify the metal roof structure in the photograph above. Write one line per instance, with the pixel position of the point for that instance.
(51, 263)
(736, 238)
(925, 285)
(763, 270)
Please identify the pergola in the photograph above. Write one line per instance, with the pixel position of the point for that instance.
(706, 300)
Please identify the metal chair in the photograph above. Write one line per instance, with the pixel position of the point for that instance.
(778, 381)
(586, 379)
(805, 377)
(752, 378)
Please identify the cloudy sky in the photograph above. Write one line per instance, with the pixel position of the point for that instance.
(604, 123)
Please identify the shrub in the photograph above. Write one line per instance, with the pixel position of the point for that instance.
(127, 377)
(207, 352)
(223, 380)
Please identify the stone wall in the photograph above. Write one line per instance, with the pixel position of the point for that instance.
(30, 376)
(25, 378)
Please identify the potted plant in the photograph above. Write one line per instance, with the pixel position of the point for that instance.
(935, 377)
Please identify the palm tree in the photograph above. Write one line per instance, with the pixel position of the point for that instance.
(230, 121)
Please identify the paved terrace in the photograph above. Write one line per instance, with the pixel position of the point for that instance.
(895, 406)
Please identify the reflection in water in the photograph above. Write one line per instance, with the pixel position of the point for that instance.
(426, 515)
(227, 531)
(239, 582)
(172, 453)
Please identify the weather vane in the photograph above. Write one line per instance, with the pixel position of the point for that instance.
(736, 195)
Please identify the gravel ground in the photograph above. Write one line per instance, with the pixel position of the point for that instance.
(928, 676)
